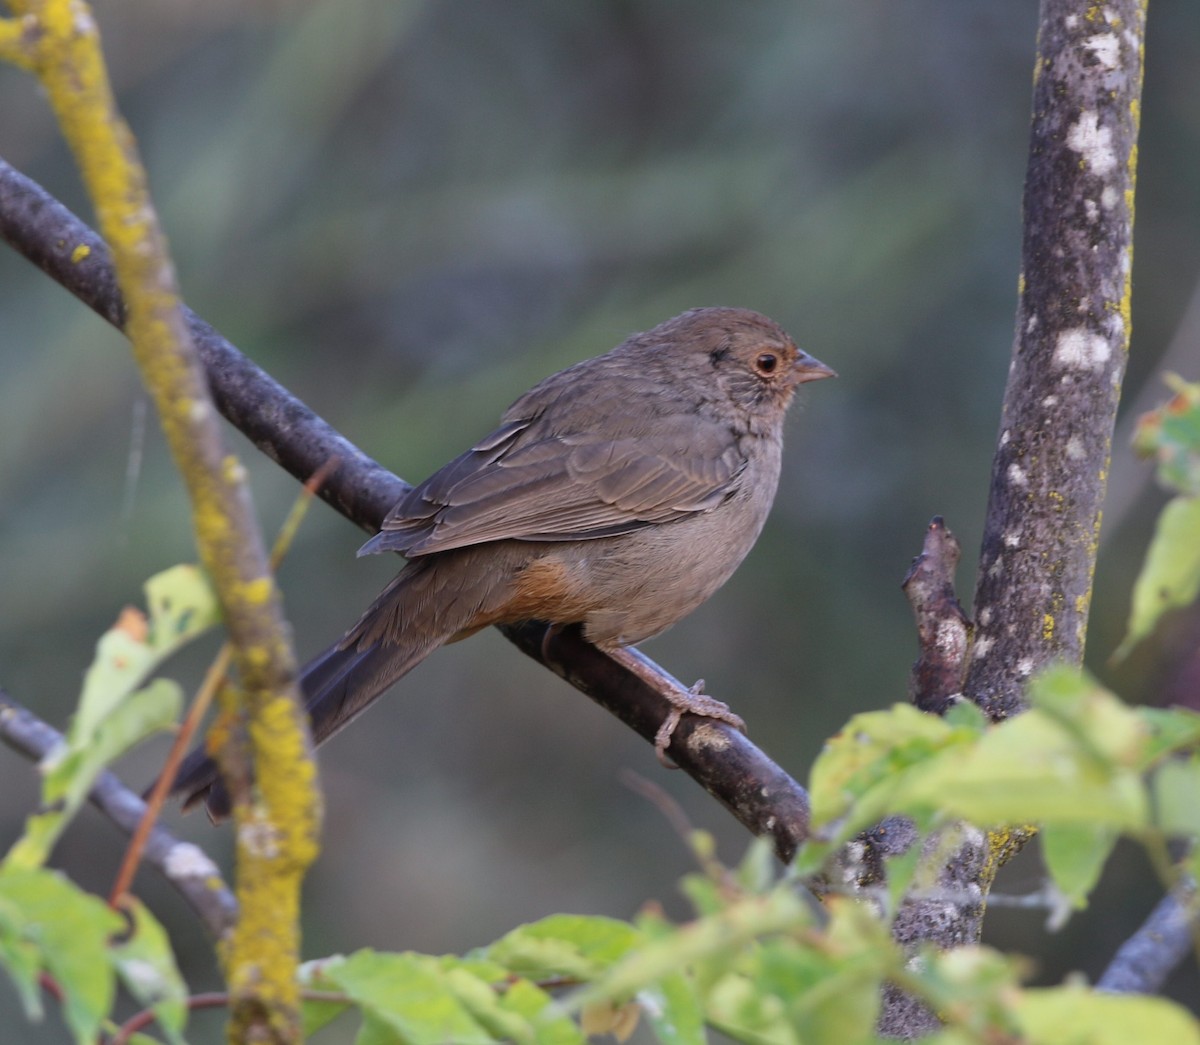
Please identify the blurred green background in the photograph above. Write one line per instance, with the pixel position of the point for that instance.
(408, 213)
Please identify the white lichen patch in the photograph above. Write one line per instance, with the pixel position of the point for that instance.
(951, 637)
(1016, 475)
(1025, 667)
(985, 616)
(1107, 49)
(1093, 142)
(1050, 401)
(1012, 540)
(186, 860)
(1109, 197)
(1075, 450)
(983, 646)
(1092, 209)
(1080, 349)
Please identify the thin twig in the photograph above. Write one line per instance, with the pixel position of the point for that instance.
(189, 870)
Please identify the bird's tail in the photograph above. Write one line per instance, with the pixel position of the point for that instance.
(430, 602)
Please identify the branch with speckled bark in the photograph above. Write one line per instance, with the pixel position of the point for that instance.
(1069, 353)
(1049, 472)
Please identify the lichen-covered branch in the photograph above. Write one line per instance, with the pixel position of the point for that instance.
(1072, 339)
(277, 831)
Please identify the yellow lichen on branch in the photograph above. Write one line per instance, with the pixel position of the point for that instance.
(277, 828)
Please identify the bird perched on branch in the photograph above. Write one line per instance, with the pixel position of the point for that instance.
(617, 494)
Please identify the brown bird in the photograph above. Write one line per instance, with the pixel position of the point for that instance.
(618, 494)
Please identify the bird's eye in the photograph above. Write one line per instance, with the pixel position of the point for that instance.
(766, 364)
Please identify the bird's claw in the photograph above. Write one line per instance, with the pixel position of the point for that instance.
(694, 702)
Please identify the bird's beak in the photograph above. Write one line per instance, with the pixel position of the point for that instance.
(806, 368)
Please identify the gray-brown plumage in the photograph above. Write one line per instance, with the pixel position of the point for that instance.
(619, 494)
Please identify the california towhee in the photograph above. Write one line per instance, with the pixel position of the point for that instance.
(618, 494)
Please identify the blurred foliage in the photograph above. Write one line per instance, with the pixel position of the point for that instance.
(408, 212)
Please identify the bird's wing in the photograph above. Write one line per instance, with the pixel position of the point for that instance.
(524, 483)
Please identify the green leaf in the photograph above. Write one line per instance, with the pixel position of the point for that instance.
(1076, 1014)
(843, 1004)
(1170, 576)
(1073, 758)
(113, 714)
(181, 606)
(672, 1007)
(716, 939)
(548, 1023)
(1099, 721)
(1176, 787)
(976, 985)
(576, 946)
(522, 1012)
(1028, 769)
(1171, 435)
(871, 750)
(146, 966)
(1075, 855)
(71, 769)
(70, 931)
(1171, 730)
(20, 956)
(404, 998)
(317, 1014)
(743, 1011)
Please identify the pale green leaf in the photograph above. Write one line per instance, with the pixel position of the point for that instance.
(20, 956)
(578, 946)
(1069, 1015)
(549, 1024)
(1177, 796)
(1028, 769)
(1171, 435)
(1171, 729)
(1170, 576)
(870, 750)
(404, 998)
(71, 769)
(70, 930)
(181, 606)
(715, 938)
(1075, 855)
(146, 965)
(672, 1007)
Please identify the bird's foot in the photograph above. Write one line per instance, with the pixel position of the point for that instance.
(693, 702)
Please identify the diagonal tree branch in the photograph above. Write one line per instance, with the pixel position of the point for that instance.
(1144, 961)
(759, 793)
